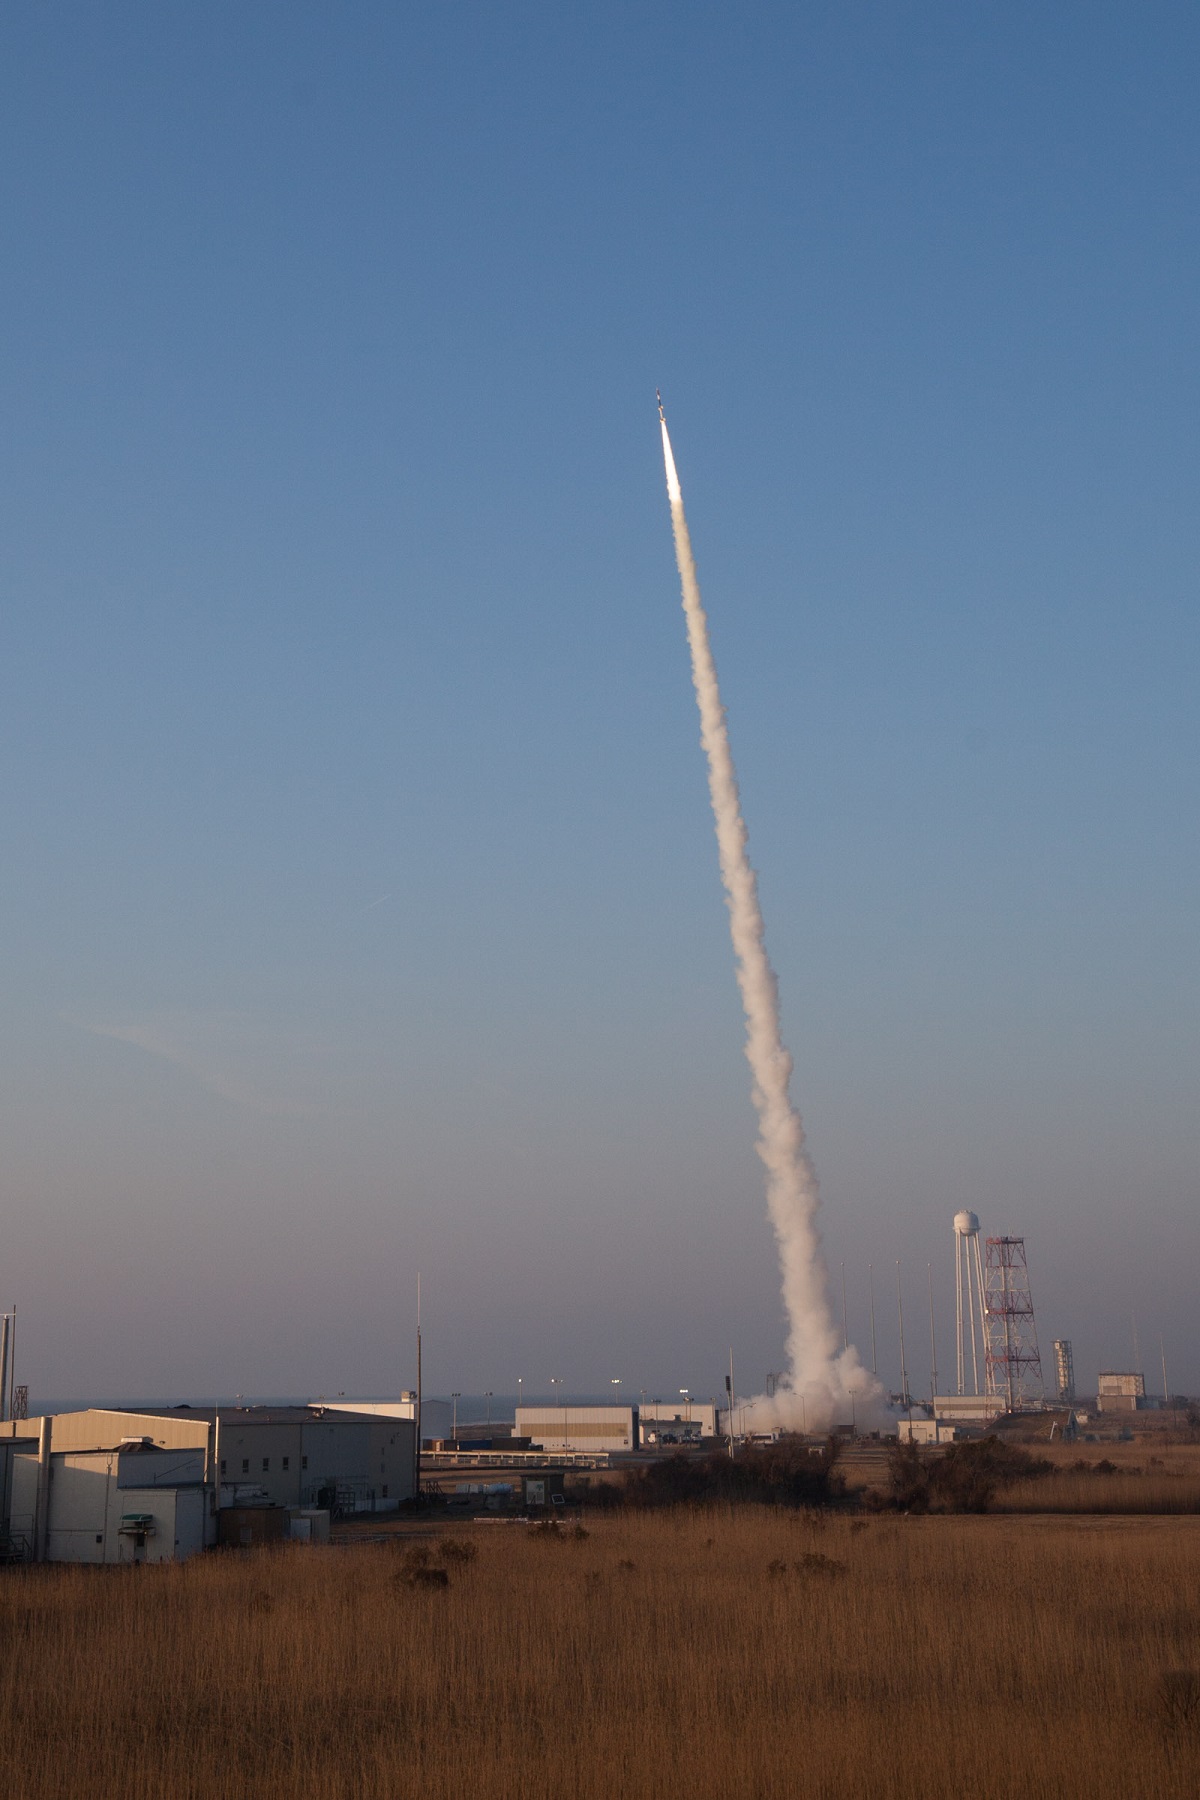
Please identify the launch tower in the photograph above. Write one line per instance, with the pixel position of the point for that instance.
(1012, 1361)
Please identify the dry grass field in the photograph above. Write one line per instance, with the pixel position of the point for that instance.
(756, 1653)
(1143, 1477)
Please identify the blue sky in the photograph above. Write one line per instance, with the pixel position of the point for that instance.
(359, 891)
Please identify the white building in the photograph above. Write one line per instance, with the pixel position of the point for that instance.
(130, 1503)
(578, 1427)
(403, 1408)
(111, 1486)
(924, 1431)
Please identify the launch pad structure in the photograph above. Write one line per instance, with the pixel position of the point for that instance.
(1014, 1364)
(994, 1315)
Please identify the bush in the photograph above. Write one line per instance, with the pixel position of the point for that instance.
(457, 1550)
(962, 1479)
(784, 1473)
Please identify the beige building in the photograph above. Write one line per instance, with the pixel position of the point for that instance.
(578, 1427)
(1119, 1392)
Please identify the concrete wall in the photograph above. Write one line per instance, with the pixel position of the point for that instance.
(968, 1409)
(1132, 1386)
(23, 1492)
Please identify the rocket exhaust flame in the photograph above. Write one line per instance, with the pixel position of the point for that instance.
(825, 1380)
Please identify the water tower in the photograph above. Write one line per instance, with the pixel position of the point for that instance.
(968, 1299)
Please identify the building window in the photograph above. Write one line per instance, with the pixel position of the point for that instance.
(385, 1490)
(304, 1462)
(286, 1461)
(245, 1465)
(266, 1465)
(222, 1465)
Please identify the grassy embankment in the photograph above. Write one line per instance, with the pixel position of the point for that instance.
(715, 1653)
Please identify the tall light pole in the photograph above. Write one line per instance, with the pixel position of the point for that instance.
(456, 1397)
(417, 1432)
(556, 1382)
(732, 1393)
(488, 1398)
(905, 1397)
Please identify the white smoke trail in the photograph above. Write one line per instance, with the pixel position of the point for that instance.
(821, 1376)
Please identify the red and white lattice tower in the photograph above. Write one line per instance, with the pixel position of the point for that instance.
(1012, 1363)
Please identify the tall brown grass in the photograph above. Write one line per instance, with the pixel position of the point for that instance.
(1143, 1477)
(707, 1653)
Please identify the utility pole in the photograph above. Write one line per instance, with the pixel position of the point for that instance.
(871, 1286)
(845, 1331)
(905, 1396)
(417, 1446)
(932, 1336)
(732, 1397)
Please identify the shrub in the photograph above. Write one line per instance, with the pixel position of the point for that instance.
(962, 1479)
(813, 1563)
(457, 1550)
(428, 1578)
(786, 1472)
(1179, 1698)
